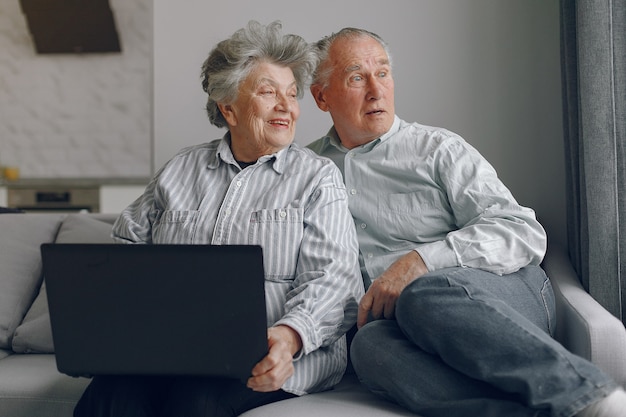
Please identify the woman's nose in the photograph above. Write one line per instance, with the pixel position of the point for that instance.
(282, 102)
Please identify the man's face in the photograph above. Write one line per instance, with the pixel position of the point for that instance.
(360, 93)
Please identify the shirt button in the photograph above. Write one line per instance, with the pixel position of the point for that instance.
(283, 214)
(227, 212)
(353, 191)
(370, 255)
(363, 225)
(238, 183)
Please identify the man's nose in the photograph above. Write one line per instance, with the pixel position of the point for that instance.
(375, 89)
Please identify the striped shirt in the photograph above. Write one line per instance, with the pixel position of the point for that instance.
(294, 204)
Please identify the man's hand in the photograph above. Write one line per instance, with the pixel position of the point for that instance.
(380, 298)
(274, 369)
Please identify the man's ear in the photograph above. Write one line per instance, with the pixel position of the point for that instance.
(318, 95)
(228, 113)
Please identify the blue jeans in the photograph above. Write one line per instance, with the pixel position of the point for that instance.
(466, 342)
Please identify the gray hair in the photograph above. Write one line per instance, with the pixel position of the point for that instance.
(323, 71)
(231, 61)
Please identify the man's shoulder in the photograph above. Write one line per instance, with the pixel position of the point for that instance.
(425, 138)
(318, 146)
(416, 129)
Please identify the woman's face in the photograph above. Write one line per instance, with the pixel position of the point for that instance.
(262, 120)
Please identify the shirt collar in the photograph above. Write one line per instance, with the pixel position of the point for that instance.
(332, 138)
(225, 154)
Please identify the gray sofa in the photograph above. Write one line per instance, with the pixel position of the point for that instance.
(31, 386)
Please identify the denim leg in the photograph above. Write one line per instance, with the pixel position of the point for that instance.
(394, 368)
(489, 328)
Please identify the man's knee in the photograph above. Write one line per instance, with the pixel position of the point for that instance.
(375, 354)
(371, 345)
(426, 296)
(365, 342)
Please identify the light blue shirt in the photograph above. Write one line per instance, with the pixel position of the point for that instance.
(424, 188)
(293, 204)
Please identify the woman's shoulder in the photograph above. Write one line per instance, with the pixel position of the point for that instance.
(198, 151)
(304, 162)
(307, 155)
(199, 148)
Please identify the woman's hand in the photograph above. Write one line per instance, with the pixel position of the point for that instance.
(274, 369)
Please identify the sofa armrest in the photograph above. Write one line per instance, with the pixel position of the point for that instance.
(584, 327)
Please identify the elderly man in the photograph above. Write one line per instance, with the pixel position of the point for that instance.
(458, 316)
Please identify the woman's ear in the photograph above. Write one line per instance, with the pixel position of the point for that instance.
(318, 95)
(228, 113)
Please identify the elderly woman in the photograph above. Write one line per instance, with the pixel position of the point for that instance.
(252, 186)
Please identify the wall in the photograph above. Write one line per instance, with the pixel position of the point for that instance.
(487, 69)
(72, 115)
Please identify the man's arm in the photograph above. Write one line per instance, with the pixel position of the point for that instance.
(380, 299)
(493, 231)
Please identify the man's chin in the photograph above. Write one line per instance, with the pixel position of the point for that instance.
(380, 123)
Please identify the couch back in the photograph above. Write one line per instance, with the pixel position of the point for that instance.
(24, 320)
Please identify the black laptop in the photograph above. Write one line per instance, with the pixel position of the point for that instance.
(120, 309)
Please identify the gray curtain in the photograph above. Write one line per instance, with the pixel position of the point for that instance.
(593, 52)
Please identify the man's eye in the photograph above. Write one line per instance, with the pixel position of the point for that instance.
(382, 74)
(267, 93)
(357, 78)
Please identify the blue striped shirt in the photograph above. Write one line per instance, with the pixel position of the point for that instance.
(292, 203)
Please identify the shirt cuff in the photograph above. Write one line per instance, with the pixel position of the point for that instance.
(438, 255)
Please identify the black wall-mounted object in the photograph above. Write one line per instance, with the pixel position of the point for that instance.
(71, 26)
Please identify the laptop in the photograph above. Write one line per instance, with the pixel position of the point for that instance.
(124, 309)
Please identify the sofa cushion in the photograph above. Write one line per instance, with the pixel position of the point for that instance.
(20, 257)
(31, 385)
(34, 335)
(86, 228)
(4, 353)
(348, 399)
